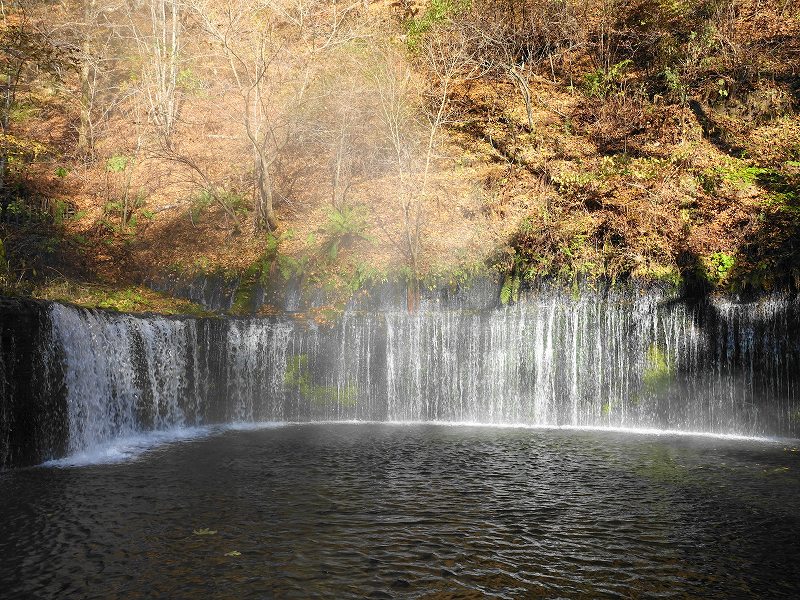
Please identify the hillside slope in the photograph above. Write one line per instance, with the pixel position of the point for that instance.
(605, 139)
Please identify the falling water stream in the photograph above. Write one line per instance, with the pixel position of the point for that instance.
(599, 361)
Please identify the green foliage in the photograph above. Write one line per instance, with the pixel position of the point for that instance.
(783, 189)
(574, 245)
(50, 245)
(20, 210)
(720, 265)
(576, 184)
(450, 273)
(115, 213)
(188, 81)
(118, 163)
(505, 292)
(236, 202)
(205, 199)
(60, 210)
(438, 11)
(20, 150)
(200, 203)
(344, 226)
(270, 261)
(741, 175)
(287, 266)
(658, 371)
(675, 84)
(722, 89)
(296, 371)
(22, 112)
(129, 300)
(668, 274)
(298, 377)
(62, 172)
(364, 274)
(273, 243)
(604, 82)
(736, 173)
(242, 302)
(510, 290)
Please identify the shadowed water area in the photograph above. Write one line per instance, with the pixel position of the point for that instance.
(391, 511)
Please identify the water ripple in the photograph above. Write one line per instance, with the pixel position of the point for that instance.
(425, 511)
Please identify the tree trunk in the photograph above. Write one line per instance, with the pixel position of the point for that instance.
(84, 128)
(412, 225)
(526, 95)
(85, 141)
(264, 214)
(8, 101)
(4, 197)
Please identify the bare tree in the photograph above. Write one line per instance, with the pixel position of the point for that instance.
(160, 44)
(98, 94)
(346, 123)
(271, 49)
(413, 113)
(85, 129)
(398, 105)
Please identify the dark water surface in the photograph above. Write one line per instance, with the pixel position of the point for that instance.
(358, 510)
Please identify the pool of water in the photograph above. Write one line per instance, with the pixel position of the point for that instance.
(392, 511)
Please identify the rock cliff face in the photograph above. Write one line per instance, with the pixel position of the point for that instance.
(33, 425)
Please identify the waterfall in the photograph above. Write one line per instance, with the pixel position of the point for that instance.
(610, 359)
(123, 373)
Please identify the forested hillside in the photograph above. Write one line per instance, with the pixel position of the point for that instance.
(346, 142)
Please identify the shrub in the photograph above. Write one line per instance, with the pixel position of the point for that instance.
(437, 12)
(721, 265)
(603, 83)
(510, 290)
(344, 226)
(231, 201)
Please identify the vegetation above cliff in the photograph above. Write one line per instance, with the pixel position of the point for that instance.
(655, 139)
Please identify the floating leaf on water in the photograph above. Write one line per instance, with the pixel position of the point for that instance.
(204, 531)
(776, 470)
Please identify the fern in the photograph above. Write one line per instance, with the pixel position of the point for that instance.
(506, 291)
(344, 226)
(515, 281)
